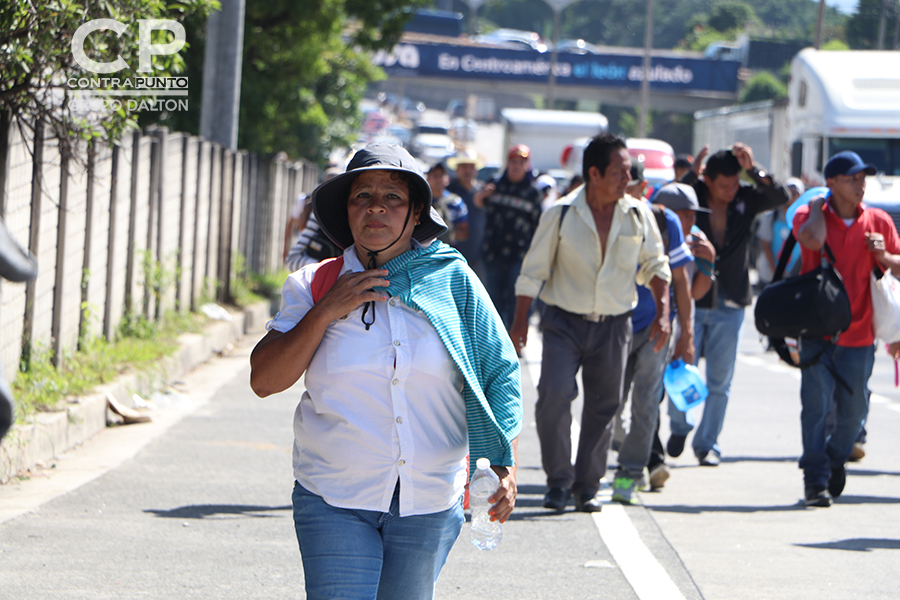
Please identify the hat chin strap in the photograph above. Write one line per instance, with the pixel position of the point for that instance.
(372, 265)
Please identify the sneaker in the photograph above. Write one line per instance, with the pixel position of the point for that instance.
(709, 459)
(858, 452)
(675, 445)
(837, 481)
(818, 496)
(623, 490)
(658, 476)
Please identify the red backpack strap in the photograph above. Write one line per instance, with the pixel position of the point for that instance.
(326, 274)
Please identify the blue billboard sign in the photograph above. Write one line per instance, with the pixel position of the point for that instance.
(606, 70)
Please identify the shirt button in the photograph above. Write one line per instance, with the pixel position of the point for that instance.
(401, 462)
(400, 420)
(395, 382)
(393, 302)
(396, 342)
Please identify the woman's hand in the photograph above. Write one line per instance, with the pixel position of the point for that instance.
(504, 499)
(352, 290)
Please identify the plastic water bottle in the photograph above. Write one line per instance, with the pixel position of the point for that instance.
(684, 385)
(485, 534)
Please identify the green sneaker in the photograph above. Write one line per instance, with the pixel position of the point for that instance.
(623, 490)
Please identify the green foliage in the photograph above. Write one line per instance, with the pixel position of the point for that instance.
(763, 86)
(306, 66)
(862, 27)
(732, 14)
(835, 45)
(138, 346)
(37, 61)
(621, 22)
(248, 287)
(305, 73)
(698, 39)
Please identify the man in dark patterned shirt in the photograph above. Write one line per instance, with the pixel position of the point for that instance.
(512, 211)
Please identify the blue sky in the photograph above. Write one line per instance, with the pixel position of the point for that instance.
(845, 6)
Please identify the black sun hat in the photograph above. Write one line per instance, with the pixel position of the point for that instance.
(329, 200)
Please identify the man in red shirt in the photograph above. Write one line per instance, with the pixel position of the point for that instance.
(860, 238)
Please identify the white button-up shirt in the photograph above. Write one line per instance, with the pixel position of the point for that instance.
(380, 406)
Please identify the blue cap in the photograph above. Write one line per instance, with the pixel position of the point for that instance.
(847, 163)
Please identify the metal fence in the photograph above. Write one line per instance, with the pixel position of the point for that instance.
(151, 224)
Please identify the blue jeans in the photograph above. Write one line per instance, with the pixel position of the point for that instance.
(818, 389)
(364, 555)
(500, 282)
(716, 335)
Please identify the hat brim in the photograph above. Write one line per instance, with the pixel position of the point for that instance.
(329, 203)
(452, 162)
(869, 169)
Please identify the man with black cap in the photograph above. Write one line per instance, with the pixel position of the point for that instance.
(860, 238)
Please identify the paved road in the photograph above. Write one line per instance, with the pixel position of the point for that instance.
(196, 505)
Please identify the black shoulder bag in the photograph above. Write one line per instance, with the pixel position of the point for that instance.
(812, 305)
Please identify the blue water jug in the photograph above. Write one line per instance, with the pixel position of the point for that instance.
(684, 385)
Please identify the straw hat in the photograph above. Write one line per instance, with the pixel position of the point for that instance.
(465, 157)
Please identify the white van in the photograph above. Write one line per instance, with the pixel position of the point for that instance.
(657, 156)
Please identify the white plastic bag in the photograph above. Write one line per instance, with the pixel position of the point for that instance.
(885, 307)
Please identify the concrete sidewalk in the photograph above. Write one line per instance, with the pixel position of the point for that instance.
(35, 446)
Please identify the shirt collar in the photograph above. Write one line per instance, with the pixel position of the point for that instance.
(351, 259)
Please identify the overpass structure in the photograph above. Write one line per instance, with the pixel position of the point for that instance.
(678, 82)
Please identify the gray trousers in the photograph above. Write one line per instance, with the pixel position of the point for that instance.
(645, 370)
(600, 350)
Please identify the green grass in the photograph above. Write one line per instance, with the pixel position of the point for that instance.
(248, 287)
(139, 345)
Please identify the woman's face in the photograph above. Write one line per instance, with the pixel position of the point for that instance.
(377, 208)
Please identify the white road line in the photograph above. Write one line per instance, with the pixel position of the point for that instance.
(774, 367)
(647, 577)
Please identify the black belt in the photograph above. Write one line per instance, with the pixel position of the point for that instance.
(595, 317)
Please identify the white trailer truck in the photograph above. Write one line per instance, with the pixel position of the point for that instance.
(548, 132)
(837, 100)
(844, 101)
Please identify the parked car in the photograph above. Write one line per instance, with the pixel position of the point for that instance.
(577, 47)
(513, 38)
(463, 131)
(657, 156)
(431, 142)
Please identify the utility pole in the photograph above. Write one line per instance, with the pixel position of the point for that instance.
(222, 74)
(473, 5)
(557, 6)
(883, 23)
(820, 16)
(645, 82)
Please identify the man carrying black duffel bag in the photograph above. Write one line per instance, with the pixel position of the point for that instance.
(859, 238)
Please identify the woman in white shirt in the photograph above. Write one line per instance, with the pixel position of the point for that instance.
(408, 370)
